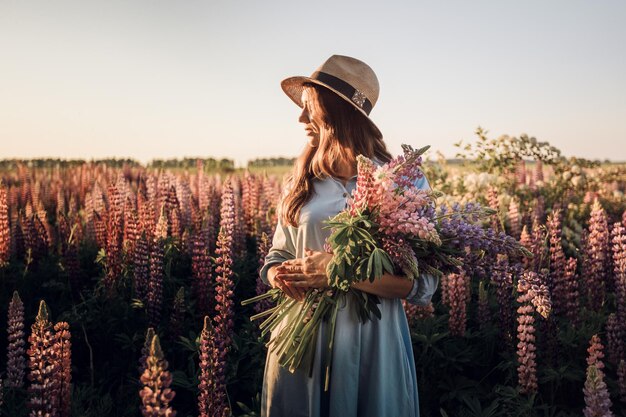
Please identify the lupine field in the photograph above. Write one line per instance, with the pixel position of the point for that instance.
(121, 289)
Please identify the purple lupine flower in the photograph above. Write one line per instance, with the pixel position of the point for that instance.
(502, 279)
(154, 296)
(460, 225)
(597, 399)
(621, 380)
(178, 314)
(263, 246)
(141, 269)
(402, 255)
(16, 360)
(201, 271)
(614, 341)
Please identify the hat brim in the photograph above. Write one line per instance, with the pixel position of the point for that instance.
(293, 87)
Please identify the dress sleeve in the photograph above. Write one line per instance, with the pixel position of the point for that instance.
(425, 286)
(282, 250)
(423, 289)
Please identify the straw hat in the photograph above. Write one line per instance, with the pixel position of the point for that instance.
(351, 79)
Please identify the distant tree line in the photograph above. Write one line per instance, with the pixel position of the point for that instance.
(9, 164)
(209, 164)
(271, 162)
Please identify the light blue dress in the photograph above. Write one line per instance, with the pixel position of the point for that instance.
(373, 370)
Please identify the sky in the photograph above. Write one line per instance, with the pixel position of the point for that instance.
(171, 79)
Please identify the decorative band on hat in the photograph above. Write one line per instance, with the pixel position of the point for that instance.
(357, 96)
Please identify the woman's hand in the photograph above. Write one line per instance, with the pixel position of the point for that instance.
(296, 276)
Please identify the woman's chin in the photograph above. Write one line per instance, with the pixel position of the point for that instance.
(313, 141)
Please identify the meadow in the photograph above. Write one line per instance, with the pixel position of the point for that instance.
(121, 288)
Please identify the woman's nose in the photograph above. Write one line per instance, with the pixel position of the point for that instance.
(304, 116)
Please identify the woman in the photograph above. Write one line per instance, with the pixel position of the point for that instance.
(373, 368)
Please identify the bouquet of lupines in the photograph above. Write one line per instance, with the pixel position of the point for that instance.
(389, 226)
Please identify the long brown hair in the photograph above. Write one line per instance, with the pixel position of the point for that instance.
(345, 134)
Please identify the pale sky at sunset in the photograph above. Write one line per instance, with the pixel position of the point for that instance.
(164, 79)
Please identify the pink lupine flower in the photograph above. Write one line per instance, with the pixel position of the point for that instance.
(364, 193)
(538, 171)
(618, 249)
(63, 368)
(145, 349)
(457, 299)
(42, 389)
(570, 281)
(416, 313)
(597, 399)
(224, 261)
(131, 230)
(539, 211)
(596, 256)
(114, 228)
(5, 236)
(494, 203)
(557, 262)
(250, 197)
(16, 360)
(162, 226)
(526, 346)
(484, 314)
(212, 401)
(520, 173)
(156, 393)
(525, 241)
(514, 218)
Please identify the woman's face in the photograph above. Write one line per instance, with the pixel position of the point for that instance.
(310, 116)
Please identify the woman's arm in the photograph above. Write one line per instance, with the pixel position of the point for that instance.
(310, 272)
(388, 286)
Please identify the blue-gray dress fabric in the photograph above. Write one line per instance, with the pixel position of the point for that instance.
(373, 370)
